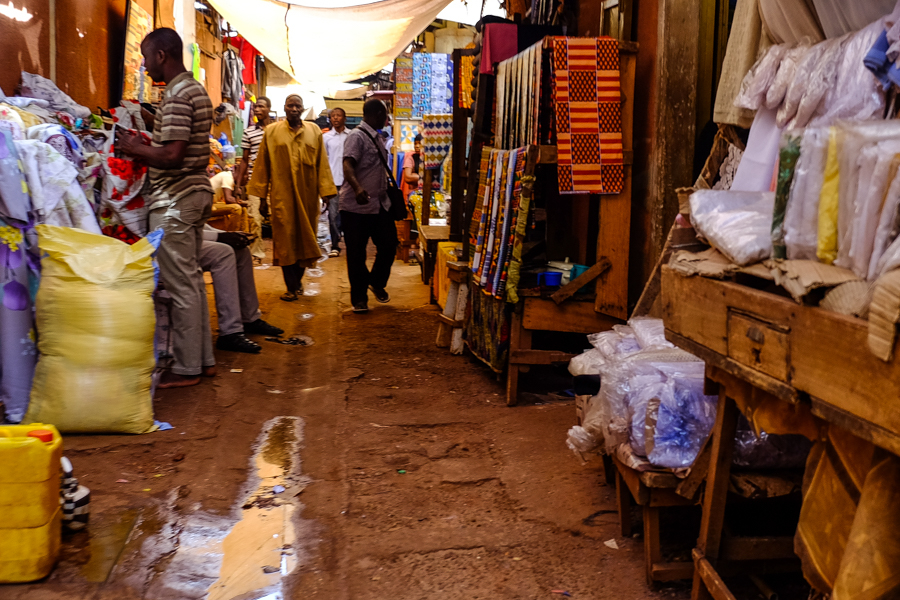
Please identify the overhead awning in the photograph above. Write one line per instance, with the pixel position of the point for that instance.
(318, 45)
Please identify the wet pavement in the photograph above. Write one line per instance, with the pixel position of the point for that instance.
(368, 464)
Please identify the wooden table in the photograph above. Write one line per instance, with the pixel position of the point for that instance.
(761, 346)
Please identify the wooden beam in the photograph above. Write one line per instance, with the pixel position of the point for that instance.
(574, 317)
(614, 233)
(569, 290)
(538, 357)
(742, 548)
(707, 573)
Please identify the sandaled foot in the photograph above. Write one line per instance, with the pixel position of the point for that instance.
(380, 294)
(260, 327)
(172, 380)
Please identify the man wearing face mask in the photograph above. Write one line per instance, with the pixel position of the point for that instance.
(292, 171)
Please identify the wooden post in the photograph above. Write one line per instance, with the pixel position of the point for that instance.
(426, 197)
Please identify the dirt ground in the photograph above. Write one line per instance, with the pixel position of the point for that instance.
(410, 476)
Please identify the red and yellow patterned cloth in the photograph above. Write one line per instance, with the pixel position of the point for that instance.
(587, 102)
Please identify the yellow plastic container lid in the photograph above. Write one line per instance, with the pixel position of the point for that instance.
(25, 459)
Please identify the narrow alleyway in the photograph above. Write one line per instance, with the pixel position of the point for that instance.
(405, 476)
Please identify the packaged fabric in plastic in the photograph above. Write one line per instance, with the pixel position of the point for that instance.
(96, 322)
(650, 332)
(888, 221)
(787, 164)
(785, 75)
(878, 165)
(827, 224)
(616, 342)
(799, 85)
(802, 217)
(856, 92)
(738, 224)
(757, 167)
(853, 137)
(760, 77)
(819, 83)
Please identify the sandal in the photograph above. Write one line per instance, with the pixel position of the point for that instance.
(290, 296)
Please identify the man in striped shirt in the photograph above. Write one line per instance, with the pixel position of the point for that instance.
(250, 146)
(180, 198)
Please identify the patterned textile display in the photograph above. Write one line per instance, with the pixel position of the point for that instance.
(437, 137)
(587, 100)
(421, 84)
(475, 224)
(403, 88)
(498, 217)
(408, 132)
(487, 328)
(518, 98)
(121, 201)
(466, 73)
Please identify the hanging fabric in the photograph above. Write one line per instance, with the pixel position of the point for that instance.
(587, 102)
(232, 86)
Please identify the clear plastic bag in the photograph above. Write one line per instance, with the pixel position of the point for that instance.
(875, 170)
(819, 83)
(684, 420)
(738, 224)
(769, 451)
(759, 78)
(785, 75)
(650, 332)
(801, 221)
(587, 363)
(799, 85)
(886, 223)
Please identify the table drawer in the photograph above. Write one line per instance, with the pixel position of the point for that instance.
(759, 345)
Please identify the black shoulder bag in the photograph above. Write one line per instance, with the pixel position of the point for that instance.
(398, 208)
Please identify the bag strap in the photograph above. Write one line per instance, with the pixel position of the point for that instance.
(380, 156)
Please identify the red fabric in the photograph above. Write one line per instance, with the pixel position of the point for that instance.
(248, 56)
(501, 41)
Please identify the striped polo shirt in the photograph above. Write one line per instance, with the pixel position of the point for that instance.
(250, 145)
(185, 115)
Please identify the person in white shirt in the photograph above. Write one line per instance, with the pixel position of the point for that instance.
(334, 147)
(227, 257)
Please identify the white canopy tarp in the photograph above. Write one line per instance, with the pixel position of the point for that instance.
(330, 44)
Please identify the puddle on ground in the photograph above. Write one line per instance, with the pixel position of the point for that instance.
(311, 289)
(315, 272)
(203, 556)
(107, 538)
(305, 316)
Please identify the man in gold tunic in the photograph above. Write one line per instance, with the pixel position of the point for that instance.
(292, 172)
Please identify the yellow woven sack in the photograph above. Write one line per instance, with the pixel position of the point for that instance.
(95, 323)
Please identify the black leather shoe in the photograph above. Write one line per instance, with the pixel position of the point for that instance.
(262, 328)
(380, 295)
(360, 307)
(236, 342)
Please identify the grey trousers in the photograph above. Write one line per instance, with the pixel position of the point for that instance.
(179, 269)
(233, 284)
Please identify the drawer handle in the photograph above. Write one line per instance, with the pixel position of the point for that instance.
(756, 335)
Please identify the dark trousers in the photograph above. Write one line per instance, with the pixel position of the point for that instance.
(334, 221)
(293, 277)
(357, 231)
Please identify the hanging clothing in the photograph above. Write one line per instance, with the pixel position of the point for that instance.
(840, 16)
(232, 87)
(248, 56)
(745, 42)
(790, 21)
(499, 43)
(292, 171)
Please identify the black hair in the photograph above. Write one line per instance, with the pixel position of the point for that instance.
(267, 101)
(167, 40)
(418, 137)
(374, 107)
(344, 112)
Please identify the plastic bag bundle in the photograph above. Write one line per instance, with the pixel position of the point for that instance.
(760, 77)
(799, 85)
(888, 225)
(587, 363)
(820, 83)
(96, 321)
(877, 166)
(785, 75)
(769, 451)
(684, 420)
(738, 224)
